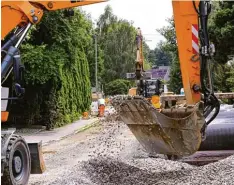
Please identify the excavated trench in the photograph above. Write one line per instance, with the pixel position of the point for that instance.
(110, 154)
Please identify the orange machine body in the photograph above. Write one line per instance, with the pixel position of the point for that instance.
(16, 13)
(186, 22)
(4, 116)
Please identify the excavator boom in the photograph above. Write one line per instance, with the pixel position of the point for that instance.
(186, 26)
(18, 13)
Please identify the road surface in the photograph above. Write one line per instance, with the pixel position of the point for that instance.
(109, 154)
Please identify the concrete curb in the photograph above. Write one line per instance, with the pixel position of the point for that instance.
(86, 127)
(82, 129)
(48, 137)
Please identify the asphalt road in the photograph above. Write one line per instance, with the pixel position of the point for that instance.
(226, 115)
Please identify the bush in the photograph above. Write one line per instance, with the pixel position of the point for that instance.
(118, 86)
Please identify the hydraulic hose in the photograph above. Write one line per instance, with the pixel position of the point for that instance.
(7, 62)
(210, 101)
(12, 40)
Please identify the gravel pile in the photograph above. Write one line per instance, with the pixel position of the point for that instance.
(109, 171)
(120, 159)
(112, 156)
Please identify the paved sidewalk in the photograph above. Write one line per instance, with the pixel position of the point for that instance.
(58, 133)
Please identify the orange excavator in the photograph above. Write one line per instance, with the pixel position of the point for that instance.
(19, 159)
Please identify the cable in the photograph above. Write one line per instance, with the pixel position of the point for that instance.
(194, 5)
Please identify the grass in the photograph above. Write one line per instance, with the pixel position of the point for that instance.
(87, 126)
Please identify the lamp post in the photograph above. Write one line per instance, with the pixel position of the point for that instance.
(96, 67)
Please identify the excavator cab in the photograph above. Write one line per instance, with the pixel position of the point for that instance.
(179, 129)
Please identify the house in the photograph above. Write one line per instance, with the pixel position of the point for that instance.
(161, 72)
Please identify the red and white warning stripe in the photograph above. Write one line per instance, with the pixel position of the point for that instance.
(195, 39)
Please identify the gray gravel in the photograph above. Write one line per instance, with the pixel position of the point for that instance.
(109, 171)
(111, 155)
(28, 131)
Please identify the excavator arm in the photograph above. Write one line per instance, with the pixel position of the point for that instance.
(195, 52)
(17, 13)
(178, 130)
(186, 26)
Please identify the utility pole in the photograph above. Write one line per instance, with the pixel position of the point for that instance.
(96, 67)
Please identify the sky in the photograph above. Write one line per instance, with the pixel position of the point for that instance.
(149, 15)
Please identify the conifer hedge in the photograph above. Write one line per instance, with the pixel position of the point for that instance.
(57, 78)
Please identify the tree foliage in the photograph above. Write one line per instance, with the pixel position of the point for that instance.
(57, 76)
(117, 40)
(159, 56)
(170, 53)
(221, 28)
(146, 55)
(118, 86)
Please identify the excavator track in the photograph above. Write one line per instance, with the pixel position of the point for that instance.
(175, 131)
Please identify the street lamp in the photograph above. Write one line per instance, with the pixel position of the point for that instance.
(96, 67)
(96, 56)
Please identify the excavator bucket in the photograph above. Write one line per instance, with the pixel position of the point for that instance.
(37, 161)
(174, 131)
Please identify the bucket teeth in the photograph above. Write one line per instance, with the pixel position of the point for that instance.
(174, 131)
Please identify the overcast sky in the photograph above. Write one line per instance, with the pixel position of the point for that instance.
(146, 14)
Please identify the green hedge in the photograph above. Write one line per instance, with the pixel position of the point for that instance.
(57, 78)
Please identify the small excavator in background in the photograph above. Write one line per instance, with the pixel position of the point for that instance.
(19, 159)
(146, 86)
(182, 129)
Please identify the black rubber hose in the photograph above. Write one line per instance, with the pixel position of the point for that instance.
(219, 137)
(7, 62)
(9, 43)
(12, 40)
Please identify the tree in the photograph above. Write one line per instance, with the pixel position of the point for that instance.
(170, 48)
(105, 20)
(221, 28)
(160, 56)
(221, 31)
(92, 63)
(117, 41)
